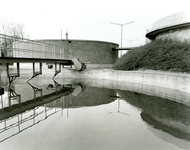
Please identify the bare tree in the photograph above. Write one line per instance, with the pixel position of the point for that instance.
(13, 29)
(3, 26)
(16, 30)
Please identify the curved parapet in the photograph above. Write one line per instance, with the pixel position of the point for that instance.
(176, 26)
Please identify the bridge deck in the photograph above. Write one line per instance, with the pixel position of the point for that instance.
(28, 60)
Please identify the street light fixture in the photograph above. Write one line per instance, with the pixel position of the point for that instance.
(121, 28)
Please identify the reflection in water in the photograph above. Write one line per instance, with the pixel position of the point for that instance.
(37, 109)
(36, 91)
(118, 110)
(94, 113)
(171, 117)
(51, 100)
(17, 122)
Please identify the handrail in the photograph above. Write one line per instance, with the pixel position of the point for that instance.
(25, 39)
(11, 46)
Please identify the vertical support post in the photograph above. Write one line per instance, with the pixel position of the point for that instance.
(5, 47)
(40, 68)
(20, 104)
(5, 124)
(7, 69)
(63, 53)
(14, 46)
(21, 117)
(55, 68)
(60, 54)
(43, 51)
(18, 49)
(18, 69)
(34, 113)
(45, 112)
(34, 97)
(18, 123)
(55, 105)
(31, 49)
(2, 103)
(41, 95)
(54, 52)
(10, 107)
(33, 68)
(70, 53)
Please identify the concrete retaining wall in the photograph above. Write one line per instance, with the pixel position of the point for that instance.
(172, 86)
(175, 81)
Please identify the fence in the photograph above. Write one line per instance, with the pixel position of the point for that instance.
(19, 47)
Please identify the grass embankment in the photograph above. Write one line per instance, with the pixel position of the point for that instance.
(160, 54)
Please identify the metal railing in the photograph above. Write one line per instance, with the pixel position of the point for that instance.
(24, 48)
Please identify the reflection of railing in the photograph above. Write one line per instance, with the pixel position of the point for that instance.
(19, 47)
(21, 119)
(13, 105)
(18, 116)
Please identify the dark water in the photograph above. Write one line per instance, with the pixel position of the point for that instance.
(48, 115)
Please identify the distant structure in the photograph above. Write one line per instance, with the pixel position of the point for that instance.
(87, 51)
(95, 54)
(176, 26)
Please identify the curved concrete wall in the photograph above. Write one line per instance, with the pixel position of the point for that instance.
(176, 26)
(148, 82)
(92, 52)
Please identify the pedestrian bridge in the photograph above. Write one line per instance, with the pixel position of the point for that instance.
(20, 50)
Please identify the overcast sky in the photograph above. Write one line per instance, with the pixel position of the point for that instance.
(90, 19)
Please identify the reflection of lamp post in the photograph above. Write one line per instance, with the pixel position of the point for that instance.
(131, 41)
(122, 28)
(118, 111)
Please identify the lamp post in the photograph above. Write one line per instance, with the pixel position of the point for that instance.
(131, 41)
(121, 28)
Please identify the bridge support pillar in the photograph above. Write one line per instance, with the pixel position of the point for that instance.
(36, 73)
(57, 70)
(13, 76)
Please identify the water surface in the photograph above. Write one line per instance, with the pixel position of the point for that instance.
(79, 116)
